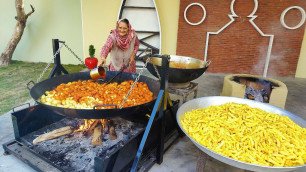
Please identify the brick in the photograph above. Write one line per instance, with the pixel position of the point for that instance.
(240, 48)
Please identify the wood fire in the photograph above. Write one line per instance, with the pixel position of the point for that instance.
(95, 127)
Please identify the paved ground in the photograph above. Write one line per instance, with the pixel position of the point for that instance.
(183, 155)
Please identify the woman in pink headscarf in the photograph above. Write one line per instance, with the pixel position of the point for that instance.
(123, 44)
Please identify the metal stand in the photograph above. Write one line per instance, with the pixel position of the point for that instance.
(57, 68)
(163, 99)
(193, 87)
(201, 161)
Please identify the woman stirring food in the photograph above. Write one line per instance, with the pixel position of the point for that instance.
(123, 44)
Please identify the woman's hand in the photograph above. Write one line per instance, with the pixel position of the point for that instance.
(101, 62)
(132, 59)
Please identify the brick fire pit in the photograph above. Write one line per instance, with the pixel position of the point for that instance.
(268, 90)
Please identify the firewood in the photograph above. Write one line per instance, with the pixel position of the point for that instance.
(90, 131)
(112, 132)
(53, 134)
(105, 124)
(97, 136)
(93, 125)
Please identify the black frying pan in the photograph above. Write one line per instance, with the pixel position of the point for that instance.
(49, 84)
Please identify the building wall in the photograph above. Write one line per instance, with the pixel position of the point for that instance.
(168, 16)
(63, 20)
(52, 19)
(99, 17)
(240, 48)
(301, 67)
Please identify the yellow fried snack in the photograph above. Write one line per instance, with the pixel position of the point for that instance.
(247, 134)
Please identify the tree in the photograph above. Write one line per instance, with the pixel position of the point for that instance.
(21, 18)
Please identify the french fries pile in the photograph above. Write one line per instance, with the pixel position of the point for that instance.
(87, 94)
(247, 134)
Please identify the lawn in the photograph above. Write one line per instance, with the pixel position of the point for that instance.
(14, 78)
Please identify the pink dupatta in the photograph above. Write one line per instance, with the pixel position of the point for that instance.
(123, 42)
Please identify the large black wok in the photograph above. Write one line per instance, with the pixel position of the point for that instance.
(181, 69)
(40, 88)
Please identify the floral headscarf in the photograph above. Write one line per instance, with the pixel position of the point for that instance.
(123, 42)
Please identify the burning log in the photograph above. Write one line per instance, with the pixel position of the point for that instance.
(93, 125)
(112, 131)
(97, 128)
(98, 134)
(53, 134)
(90, 131)
(104, 122)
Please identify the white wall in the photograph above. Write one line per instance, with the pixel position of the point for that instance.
(52, 19)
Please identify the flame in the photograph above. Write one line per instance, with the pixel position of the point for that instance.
(88, 123)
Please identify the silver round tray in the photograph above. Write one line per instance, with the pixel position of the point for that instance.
(219, 100)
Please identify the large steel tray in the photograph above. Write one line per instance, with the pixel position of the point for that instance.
(218, 100)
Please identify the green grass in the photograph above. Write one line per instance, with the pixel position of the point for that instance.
(14, 78)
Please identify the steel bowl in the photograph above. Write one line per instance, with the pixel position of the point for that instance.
(219, 100)
(181, 69)
(98, 73)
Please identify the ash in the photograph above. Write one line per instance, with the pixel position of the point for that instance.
(257, 95)
(75, 152)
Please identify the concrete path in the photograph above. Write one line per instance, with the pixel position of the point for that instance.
(182, 156)
(9, 163)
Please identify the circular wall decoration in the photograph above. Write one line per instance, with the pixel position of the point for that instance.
(298, 25)
(204, 13)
